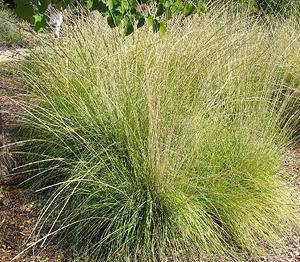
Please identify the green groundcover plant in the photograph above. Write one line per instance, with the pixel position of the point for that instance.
(164, 148)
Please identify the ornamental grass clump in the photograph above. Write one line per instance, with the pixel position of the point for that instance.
(164, 148)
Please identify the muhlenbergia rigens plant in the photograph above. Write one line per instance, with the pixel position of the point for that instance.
(164, 148)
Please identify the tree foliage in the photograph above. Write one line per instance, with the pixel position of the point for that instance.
(116, 11)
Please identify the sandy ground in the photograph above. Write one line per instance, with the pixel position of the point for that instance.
(12, 55)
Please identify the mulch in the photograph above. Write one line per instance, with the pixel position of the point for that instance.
(19, 210)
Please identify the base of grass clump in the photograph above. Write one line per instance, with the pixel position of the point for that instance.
(162, 148)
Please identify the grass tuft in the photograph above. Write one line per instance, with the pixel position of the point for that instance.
(165, 148)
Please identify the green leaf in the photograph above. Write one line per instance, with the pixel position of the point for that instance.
(125, 4)
(61, 3)
(42, 5)
(162, 28)
(189, 9)
(116, 13)
(154, 23)
(113, 4)
(128, 27)
(103, 10)
(177, 6)
(168, 3)
(141, 21)
(24, 11)
(133, 4)
(118, 20)
(39, 23)
(200, 8)
(89, 4)
(160, 10)
(113, 20)
(124, 11)
(136, 13)
(150, 20)
(97, 5)
(105, 13)
(55, 2)
(22, 2)
(168, 13)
